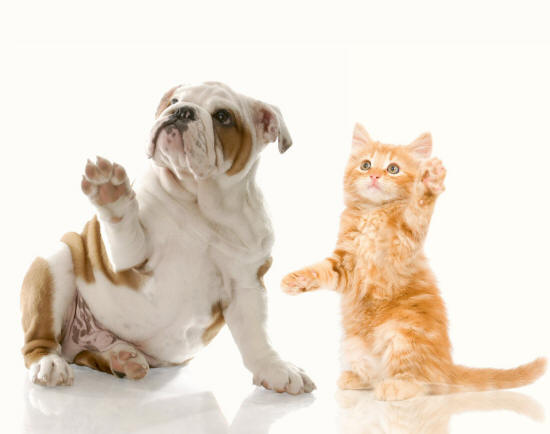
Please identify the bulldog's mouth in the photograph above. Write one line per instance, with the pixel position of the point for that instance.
(167, 132)
(171, 136)
(179, 141)
(172, 126)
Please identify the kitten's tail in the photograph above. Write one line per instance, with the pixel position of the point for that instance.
(464, 379)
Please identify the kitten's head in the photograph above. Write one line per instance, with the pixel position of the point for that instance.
(378, 173)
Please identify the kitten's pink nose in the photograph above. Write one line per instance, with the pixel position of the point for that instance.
(374, 177)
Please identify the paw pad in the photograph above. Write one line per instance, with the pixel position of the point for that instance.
(433, 175)
(129, 363)
(105, 183)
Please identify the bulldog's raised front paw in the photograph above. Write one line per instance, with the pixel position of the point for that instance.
(282, 376)
(106, 185)
(51, 370)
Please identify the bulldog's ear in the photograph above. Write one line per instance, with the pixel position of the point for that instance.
(270, 125)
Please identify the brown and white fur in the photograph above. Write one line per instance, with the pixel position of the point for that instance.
(394, 320)
(161, 268)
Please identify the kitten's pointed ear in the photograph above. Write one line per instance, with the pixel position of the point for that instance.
(422, 146)
(360, 135)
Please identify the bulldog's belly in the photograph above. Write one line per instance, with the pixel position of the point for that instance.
(170, 317)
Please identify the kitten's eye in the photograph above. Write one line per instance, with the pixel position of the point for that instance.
(393, 169)
(365, 165)
(223, 117)
(173, 101)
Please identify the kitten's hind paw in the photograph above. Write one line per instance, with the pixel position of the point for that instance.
(394, 389)
(300, 281)
(351, 381)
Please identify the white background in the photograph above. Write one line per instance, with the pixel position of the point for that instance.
(78, 80)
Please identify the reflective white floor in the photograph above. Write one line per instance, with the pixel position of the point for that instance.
(174, 400)
(167, 401)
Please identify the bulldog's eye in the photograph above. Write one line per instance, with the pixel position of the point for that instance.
(393, 169)
(365, 165)
(173, 101)
(223, 117)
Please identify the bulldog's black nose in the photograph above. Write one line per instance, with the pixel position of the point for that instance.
(186, 113)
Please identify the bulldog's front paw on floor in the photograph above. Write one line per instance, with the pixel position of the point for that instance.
(126, 361)
(282, 377)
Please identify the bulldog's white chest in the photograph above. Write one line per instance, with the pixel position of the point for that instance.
(186, 287)
(193, 268)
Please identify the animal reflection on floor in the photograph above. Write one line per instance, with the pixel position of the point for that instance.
(101, 405)
(165, 404)
(361, 413)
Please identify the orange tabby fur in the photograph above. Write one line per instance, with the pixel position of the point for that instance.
(394, 320)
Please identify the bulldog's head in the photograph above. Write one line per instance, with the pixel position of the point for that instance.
(209, 129)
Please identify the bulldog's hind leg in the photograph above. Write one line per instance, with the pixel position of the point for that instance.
(122, 360)
(47, 292)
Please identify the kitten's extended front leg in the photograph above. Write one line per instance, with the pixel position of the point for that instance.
(428, 187)
(325, 274)
(108, 188)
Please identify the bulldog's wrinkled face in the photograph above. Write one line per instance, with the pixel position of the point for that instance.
(208, 130)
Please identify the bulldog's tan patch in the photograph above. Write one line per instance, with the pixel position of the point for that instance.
(93, 360)
(89, 256)
(165, 101)
(263, 269)
(236, 142)
(217, 323)
(36, 306)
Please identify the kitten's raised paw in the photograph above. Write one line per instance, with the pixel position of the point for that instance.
(300, 281)
(432, 176)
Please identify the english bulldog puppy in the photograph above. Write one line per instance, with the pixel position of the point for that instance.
(159, 270)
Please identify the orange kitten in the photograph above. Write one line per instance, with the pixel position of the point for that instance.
(394, 320)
